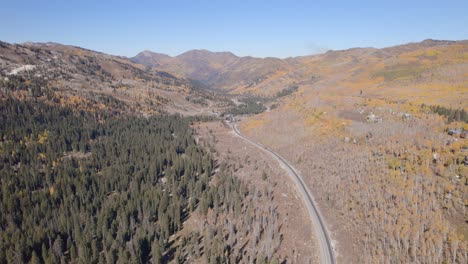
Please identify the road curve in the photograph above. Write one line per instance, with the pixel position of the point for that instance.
(326, 250)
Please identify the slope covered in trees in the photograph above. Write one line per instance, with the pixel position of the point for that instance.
(74, 188)
(247, 106)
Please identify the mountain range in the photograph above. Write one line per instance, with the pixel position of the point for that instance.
(430, 63)
(424, 72)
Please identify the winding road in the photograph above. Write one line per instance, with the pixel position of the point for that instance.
(326, 249)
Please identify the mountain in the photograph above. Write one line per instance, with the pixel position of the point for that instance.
(151, 59)
(73, 72)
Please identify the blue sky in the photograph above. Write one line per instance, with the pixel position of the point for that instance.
(257, 27)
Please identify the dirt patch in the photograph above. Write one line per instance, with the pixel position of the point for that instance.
(352, 115)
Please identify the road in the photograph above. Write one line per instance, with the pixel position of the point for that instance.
(327, 254)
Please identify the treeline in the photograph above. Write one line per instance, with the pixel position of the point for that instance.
(108, 190)
(451, 114)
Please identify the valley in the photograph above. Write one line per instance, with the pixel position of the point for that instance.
(350, 156)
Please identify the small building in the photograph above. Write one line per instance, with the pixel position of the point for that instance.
(407, 116)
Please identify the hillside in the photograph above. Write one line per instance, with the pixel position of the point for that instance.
(388, 164)
(427, 72)
(84, 78)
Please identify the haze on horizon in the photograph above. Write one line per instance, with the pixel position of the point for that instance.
(247, 28)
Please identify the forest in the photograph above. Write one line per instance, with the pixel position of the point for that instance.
(78, 188)
(287, 91)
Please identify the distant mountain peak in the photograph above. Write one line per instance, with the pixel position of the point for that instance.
(205, 52)
(149, 53)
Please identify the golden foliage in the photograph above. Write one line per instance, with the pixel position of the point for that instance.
(42, 138)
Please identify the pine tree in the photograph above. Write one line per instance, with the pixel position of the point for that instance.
(34, 258)
(156, 252)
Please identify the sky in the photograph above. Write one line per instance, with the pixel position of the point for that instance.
(256, 28)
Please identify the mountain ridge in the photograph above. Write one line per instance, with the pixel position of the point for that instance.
(427, 42)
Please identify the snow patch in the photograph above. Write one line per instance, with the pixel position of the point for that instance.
(21, 69)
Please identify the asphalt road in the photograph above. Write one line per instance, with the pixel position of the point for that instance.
(327, 254)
